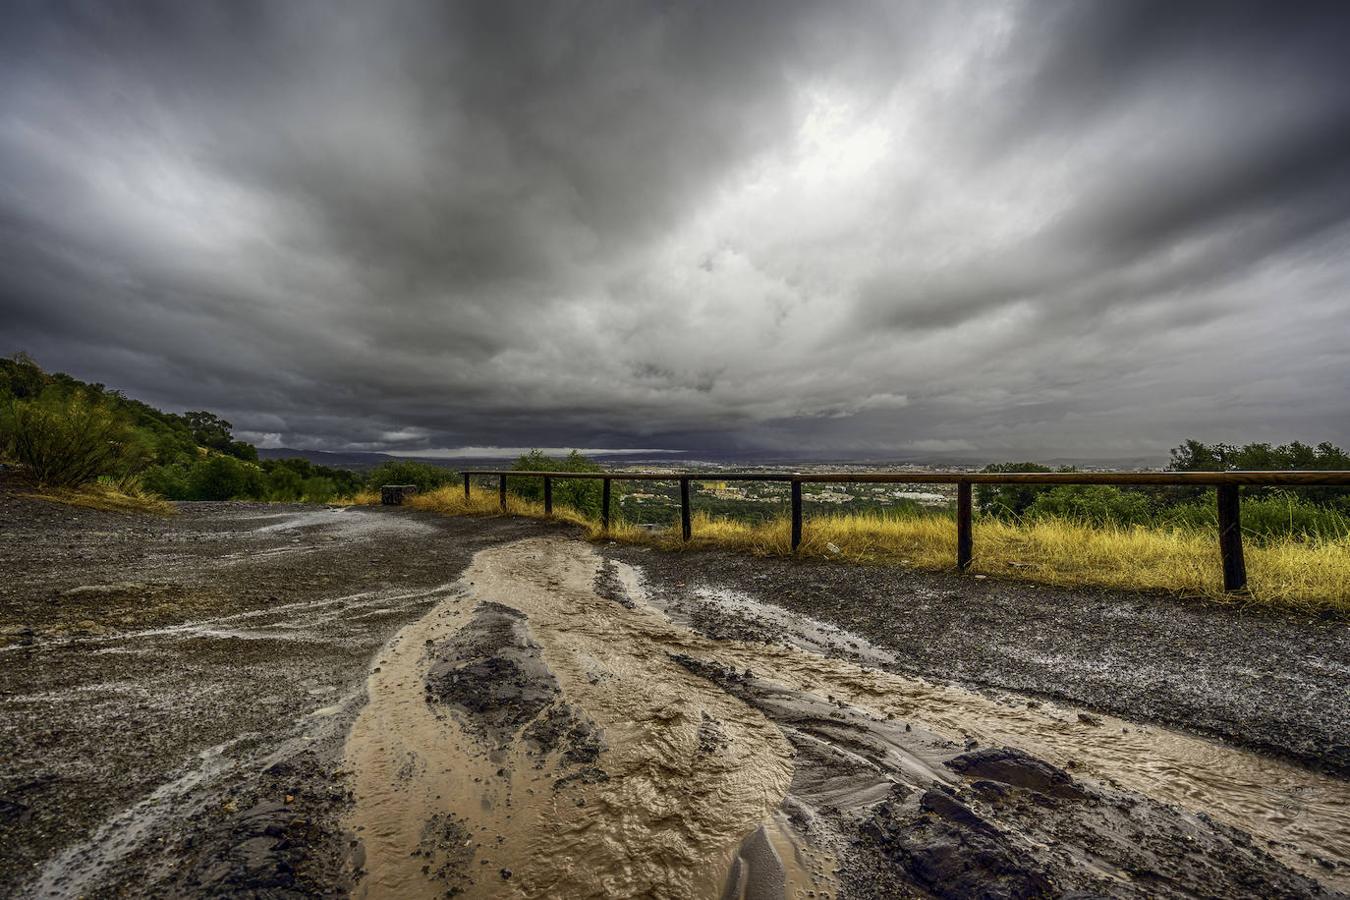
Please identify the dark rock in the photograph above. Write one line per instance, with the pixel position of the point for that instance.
(1019, 769)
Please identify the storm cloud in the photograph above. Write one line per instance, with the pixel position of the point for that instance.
(1052, 229)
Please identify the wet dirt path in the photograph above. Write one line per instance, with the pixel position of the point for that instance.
(179, 705)
(687, 771)
(620, 752)
(1301, 811)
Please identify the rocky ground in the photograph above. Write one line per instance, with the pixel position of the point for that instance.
(1268, 679)
(181, 705)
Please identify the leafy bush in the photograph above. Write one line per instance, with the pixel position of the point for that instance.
(170, 481)
(67, 441)
(1282, 515)
(583, 495)
(224, 478)
(1095, 504)
(1009, 500)
(295, 479)
(426, 476)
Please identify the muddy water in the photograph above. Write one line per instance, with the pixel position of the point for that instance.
(695, 779)
(688, 772)
(1302, 812)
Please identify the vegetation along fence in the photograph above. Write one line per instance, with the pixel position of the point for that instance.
(1227, 484)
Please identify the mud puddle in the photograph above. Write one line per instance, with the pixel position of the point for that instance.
(548, 730)
(1305, 814)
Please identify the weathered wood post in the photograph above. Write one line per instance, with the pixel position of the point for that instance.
(685, 526)
(964, 538)
(1230, 539)
(796, 514)
(466, 485)
(604, 504)
(502, 491)
(548, 496)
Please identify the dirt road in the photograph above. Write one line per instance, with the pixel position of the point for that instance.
(299, 701)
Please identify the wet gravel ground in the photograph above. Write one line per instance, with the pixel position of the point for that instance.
(1273, 681)
(175, 692)
(188, 681)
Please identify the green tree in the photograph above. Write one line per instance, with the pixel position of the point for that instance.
(583, 495)
(1009, 500)
(224, 478)
(1096, 504)
(1195, 456)
(426, 476)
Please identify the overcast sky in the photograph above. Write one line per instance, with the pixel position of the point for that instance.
(1046, 229)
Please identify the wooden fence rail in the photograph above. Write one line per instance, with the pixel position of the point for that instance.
(1227, 483)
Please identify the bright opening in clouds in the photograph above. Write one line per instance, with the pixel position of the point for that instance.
(896, 229)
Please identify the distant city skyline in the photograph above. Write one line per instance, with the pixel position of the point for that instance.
(983, 230)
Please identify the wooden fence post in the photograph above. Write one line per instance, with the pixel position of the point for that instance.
(685, 526)
(466, 486)
(502, 492)
(604, 506)
(1230, 539)
(796, 514)
(964, 538)
(548, 496)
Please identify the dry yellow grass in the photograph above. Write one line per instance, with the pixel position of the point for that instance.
(1307, 575)
(451, 501)
(104, 497)
(360, 498)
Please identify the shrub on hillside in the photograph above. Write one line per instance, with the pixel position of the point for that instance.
(170, 482)
(426, 476)
(1276, 516)
(583, 495)
(70, 440)
(295, 479)
(1095, 504)
(224, 478)
(1009, 500)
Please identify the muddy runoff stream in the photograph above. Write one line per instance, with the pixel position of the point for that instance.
(551, 730)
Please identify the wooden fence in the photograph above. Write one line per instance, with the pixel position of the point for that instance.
(1227, 484)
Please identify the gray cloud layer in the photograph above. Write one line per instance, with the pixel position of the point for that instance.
(987, 228)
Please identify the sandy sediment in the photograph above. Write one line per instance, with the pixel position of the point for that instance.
(715, 766)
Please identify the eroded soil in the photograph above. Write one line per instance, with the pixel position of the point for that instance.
(381, 703)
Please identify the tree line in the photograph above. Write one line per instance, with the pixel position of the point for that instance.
(67, 433)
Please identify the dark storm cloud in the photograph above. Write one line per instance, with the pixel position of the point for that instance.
(978, 228)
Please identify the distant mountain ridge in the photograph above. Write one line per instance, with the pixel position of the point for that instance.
(361, 460)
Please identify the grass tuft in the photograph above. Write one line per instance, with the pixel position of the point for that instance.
(107, 498)
(1310, 575)
(451, 501)
(360, 498)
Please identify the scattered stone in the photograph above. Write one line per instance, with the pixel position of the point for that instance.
(1017, 768)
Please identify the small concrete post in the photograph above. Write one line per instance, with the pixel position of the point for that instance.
(394, 494)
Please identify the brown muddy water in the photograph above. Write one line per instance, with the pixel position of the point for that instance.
(547, 730)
